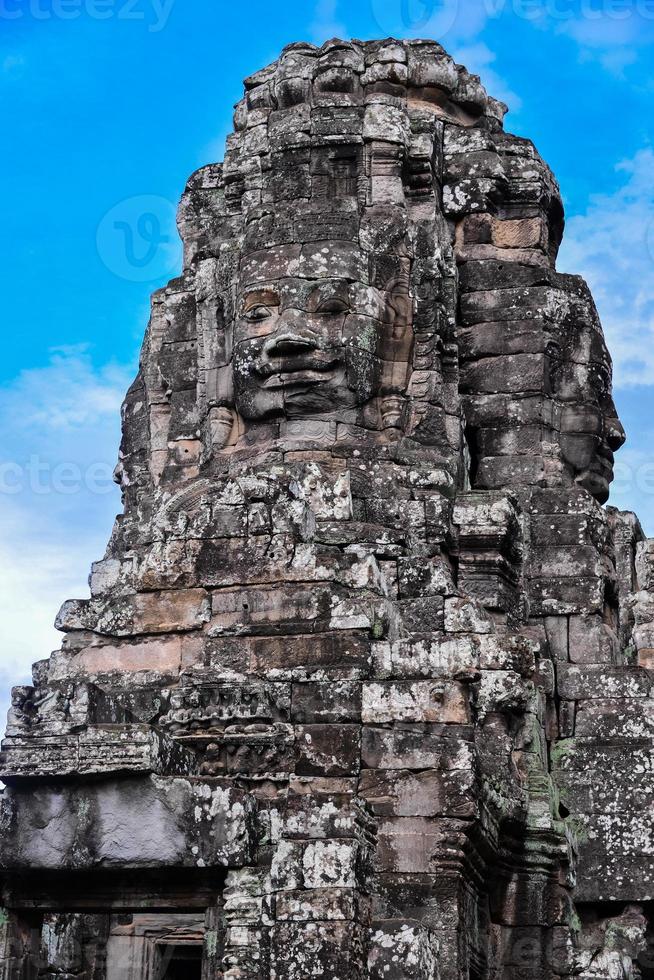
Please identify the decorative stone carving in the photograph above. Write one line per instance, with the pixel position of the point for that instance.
(364, 681)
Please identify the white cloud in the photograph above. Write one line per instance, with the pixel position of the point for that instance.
(40, 571)
(612, 246)
(479, 59)
(616, 61)
(610, 32)
(68, 394)
(612, 54)
(60, 427)
(602, 28)
(325, 24)
(13, 64)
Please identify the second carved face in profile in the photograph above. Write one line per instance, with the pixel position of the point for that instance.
(591, 431)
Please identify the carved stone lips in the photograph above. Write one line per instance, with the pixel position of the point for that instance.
(293, 360)
(304, 376)
(605, 456)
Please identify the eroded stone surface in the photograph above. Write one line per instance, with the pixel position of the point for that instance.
(365, 675)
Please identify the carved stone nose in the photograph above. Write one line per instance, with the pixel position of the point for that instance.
(615, 435)
(288, 344)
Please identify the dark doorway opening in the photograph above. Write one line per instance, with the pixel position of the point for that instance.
(183, 962)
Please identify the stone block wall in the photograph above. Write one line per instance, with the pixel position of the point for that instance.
(362, 688)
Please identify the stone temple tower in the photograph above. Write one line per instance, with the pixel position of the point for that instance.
(362, 687)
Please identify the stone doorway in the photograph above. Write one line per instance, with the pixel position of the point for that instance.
(184, 963)
(143, 925)
(165, 946)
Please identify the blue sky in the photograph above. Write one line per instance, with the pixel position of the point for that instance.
(108, 105)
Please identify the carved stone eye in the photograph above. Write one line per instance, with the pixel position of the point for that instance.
(333, 307)
(602, 382)
(258, 313)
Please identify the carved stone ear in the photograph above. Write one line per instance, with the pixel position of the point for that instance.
(400, 308)
(554, 355)
(399, 302)
(396, 346)
(222, 427)
(391, 408)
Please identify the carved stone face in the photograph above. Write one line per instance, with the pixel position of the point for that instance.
(307, 346)
(591, 431)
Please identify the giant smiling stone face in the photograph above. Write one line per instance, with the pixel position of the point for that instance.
(309, 346)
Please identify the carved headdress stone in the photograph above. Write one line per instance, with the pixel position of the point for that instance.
(361, 690)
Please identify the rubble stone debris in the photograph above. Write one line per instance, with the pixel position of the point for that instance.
(363, 688)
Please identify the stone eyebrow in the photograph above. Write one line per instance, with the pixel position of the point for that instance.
(260, 297)
(322, 292)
